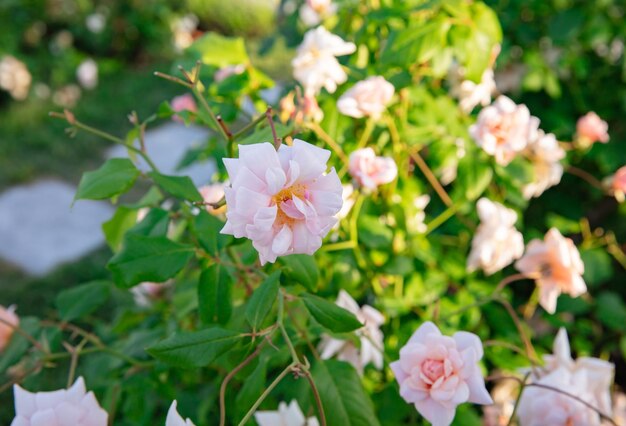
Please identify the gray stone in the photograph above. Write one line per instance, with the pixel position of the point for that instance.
(40, 229)
(166, 145)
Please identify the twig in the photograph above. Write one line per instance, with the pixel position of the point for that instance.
(232, 374)
(316, 395)
(432, 179)
(586, 177)
(530, 350)
(248, 126)
(270, 120)
(24, 334)
(512, 278)
(517, 400)
(267, 391)
(172, 79)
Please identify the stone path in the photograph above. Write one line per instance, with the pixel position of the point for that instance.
(39, 227)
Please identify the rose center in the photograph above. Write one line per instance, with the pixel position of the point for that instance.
(287, 210)
(433, 369)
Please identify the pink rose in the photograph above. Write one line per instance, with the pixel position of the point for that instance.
(618, 184)
(545, 155)
(437, 373)
(558, 266)
(284, 201)
(183, 103)
(371, 171)
(66, 407)
(496, 242)
(591, 128)
(6, 331)
(367, 98)
(503, 129)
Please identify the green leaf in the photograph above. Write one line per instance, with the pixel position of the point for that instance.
(196, 348)
(329, 315)
(79, 301)
(252, 388)
(154, 224)
(611, 311)
(343, 397)
(415, 44)
(115, 177)
(262, 300)
(302, 269)
(115, 228)
(474, 177)
(18, 344)
(220, 51)
(178, 186)
(373, 233)
(214, 295)
(148, 259)
(207, 229)
(598, 266)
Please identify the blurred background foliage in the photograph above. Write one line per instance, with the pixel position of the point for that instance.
(562, 58)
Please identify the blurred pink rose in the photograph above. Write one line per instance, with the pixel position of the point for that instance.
(183, 103)
(65, 407)
(175, 419)
(146, 293)
(591, 128)
(496, 242)
(503, 129)
(367, 98)
(313, 12)
(213, 193)
(370, 336)
(371, 171)
(539, 406)
(437, 373)
(618, 184)
(284, 201)
(315, 65)
(558, 267)
(545, 155)
(6, 331)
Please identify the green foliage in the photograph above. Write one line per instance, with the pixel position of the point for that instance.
(82, 300)
(302, 269)
(145, 258)
(115, 177)
(214, 295)
(329, 315)
(262, 300)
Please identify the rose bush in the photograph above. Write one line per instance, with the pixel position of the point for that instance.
(379, 205)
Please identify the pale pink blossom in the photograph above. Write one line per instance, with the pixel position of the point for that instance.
(8, 318)
(619, 408)
(557, 266)
(66, 407)
(315, 65)
(284, 201)
(227, 71)
(471, 94)
(211, 194)
(175, 419)
(545, 155)
(286, 415)
(599, 373)
(504, 394)
(591, 128)
(348, 202)
(415, 222)
(503, 129)
(369, 170)
(436, 373)
(87, 73)
(313, 12)
(496, 243)
(183, 103)
(618, 184)
(370, 336)
(15, 77)
(307, 109)
(367, 98)
(539, 406)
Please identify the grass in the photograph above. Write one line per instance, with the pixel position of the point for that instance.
(33, 145)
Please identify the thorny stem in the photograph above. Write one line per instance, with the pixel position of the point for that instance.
(24, 334)
(248, 127)
(232, 374)
(172, 79)
(432, 179)
(530, 350)
(267, 391)
(316, 395)
(517, 400)
(586, 177)
(77, 124)
(270, 120)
